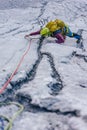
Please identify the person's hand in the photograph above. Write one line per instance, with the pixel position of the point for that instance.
(26, 36)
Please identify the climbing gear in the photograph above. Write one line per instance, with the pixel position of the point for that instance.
(45, 31)
(52, 26)
(55, 25)
(60, 23)
(12, 75)
(10, 121)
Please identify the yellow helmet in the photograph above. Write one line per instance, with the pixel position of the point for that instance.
(44, 31)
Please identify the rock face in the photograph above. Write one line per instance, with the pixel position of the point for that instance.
(49, 90)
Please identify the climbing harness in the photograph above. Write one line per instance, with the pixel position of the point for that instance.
(12, 75)
(10, 121)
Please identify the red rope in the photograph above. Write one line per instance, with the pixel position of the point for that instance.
(12, 75)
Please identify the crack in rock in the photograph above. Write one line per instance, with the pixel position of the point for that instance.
(55, 87)
(31, 74)
(81, 56)
(26, 100)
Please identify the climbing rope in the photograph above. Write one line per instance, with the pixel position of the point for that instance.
(10, 121)
(12, 75)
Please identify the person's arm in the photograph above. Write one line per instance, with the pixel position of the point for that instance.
(33, 33)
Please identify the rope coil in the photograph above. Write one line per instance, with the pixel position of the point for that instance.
(10, 121)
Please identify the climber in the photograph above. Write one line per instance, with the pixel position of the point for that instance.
(57, 29)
